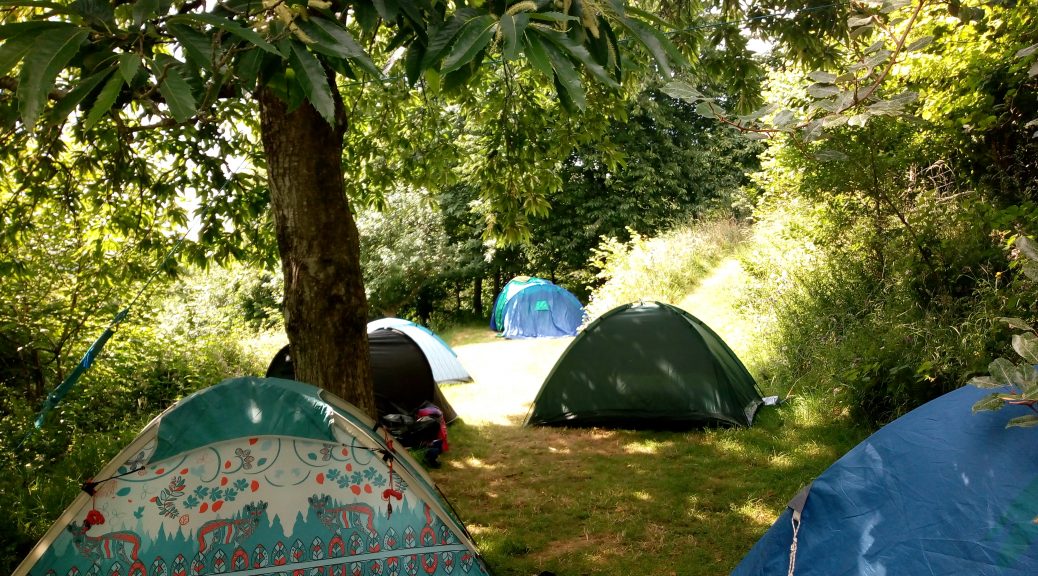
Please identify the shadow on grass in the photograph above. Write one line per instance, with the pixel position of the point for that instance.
(612, 502)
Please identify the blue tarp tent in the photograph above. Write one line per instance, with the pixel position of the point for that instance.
(938, 491)
(530, 307)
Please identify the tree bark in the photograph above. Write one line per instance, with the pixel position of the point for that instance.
(325, 307)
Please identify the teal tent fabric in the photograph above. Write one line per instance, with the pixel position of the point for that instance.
(647, 365)
(221, 412)
(258, 477)
(511, 288)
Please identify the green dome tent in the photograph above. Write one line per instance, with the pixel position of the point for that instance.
(647, 365)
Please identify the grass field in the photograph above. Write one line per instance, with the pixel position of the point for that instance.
(611, 502)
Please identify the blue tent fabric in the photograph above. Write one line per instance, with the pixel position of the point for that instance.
(513, 287)
(539, 309)
(938, 491)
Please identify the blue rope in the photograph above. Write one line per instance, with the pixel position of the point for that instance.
(58, 394)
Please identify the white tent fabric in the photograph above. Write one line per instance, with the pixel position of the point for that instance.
(444, 362)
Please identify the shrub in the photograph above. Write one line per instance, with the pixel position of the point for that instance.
(192, 336)
(880, 320)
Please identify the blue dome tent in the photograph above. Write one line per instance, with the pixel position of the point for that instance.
(938, 491)
(530, 307)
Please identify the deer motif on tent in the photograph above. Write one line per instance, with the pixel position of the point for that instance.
(122, 545)
(338, 518)
(235, 530)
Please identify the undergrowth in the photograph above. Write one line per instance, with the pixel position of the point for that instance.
(665, 268)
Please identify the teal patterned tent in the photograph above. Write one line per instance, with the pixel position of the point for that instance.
(258, 476)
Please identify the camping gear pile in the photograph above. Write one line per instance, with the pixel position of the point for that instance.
(426, 430)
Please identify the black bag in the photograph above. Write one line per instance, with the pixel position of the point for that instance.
(410, 432)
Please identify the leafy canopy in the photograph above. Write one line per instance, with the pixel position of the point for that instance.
(175, 59)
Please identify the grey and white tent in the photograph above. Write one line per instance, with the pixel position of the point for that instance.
(442, 359)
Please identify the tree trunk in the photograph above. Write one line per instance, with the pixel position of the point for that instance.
(477, 296)
(325, 307)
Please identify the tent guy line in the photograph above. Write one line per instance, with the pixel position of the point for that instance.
(59, 393)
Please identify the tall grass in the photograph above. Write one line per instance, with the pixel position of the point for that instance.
(665, 268)
(867, 323)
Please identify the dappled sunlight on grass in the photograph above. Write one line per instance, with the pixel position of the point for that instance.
(780, 461)
(584, 501)
(507, 375)
(600, 433)
(480, 532)
(731, 445)
(469, 462)
(757, 512)
(646, 447)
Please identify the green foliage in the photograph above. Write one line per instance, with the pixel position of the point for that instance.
(192, 334)
(655, 164)
(1017, 381)
(961, 68)
(862, 314)
(664, 268)
(149, 67)
(662, 166)
(881, 263)
(405, 254)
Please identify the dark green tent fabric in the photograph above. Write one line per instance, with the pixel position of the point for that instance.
(647, 365)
